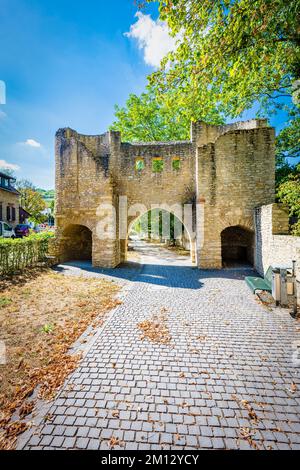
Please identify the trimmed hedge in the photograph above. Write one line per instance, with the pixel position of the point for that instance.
(18, 254)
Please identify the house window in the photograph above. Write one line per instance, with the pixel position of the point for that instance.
(1, 213)
(176, 163)
(13, 216)
(4, 182)
(157, 165)
(8, 213)
(139, 164)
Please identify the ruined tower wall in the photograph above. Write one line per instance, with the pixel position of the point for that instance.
(235, 175)
(145, 186)
(83, 183)
(228, 170)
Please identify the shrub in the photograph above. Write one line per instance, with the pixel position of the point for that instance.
(18, 254)
(296, 229)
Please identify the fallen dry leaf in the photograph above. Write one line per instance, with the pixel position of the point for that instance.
(201, 338)
(26, 409)
(69, 304)
(114, 441)
(247, 434)
(155, 329)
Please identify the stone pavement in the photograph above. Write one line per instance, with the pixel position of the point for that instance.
(227, 380)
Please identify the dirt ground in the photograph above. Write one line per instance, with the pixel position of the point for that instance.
(42, 314)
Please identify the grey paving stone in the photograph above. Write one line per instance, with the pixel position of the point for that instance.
(82, 442)
(205, 442)
(166, 438)
(69, 443)
(204, 407)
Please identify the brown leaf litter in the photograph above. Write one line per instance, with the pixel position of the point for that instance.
(49, 312)
(156, 328)
(247, 435)
(251, 412)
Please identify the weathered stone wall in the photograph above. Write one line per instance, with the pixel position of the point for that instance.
(170, 186)
(83, 183)
(226, 170)
(273, 244)
(145, 189)
(234, 175)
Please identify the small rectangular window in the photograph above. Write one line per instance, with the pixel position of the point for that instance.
(157, 165)
(176, 163)
(139, 164)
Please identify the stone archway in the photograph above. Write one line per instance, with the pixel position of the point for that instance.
(237, 245)
(188, 241)
(215, 173)
(76, 243)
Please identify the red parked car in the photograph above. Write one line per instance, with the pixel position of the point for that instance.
(22, 230)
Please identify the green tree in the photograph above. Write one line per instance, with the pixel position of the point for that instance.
(288, 173)
(289, 193)
(288, 140)
(231, 53)
(148, 118)
(31, 200)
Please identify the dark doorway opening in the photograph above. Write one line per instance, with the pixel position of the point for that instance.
(77, 243)
(237, 246)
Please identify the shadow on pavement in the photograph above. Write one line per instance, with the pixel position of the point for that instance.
(184, 277)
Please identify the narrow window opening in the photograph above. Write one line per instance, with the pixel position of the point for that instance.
(139, 164)
(157, 165)
(176, 163)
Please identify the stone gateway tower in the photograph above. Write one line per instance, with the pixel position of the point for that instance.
(219, 177)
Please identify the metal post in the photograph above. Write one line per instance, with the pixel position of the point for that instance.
(283, 292)
(294, 307)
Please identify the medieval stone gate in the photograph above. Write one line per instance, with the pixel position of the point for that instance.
(218, 177)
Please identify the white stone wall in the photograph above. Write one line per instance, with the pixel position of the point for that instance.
(273, 244)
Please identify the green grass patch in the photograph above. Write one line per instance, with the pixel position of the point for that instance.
(4, 301)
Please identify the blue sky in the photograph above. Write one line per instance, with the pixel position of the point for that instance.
(67, 63)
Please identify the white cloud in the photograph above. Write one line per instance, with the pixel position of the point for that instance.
(4, 165)
(153, 38)
(32, 143)
(2, 114)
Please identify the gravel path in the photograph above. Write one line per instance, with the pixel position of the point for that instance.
(227, 378)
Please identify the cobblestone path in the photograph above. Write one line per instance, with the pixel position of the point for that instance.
(226, 380)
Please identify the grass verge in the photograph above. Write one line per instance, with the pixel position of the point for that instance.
(42, 314)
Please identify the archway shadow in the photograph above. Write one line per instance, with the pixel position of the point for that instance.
(183, 277)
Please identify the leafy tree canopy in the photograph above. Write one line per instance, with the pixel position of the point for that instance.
(31, 200)
(148, 118)
(231, 52)
(289, 191)
(288, 140)
(230, 55)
